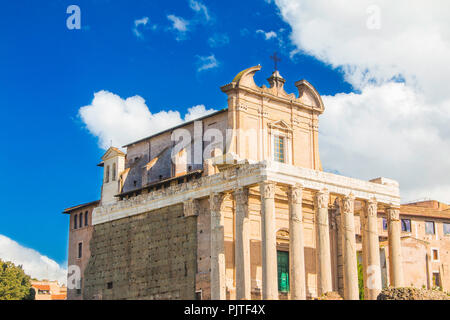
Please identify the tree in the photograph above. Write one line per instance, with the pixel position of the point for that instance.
(14, 283)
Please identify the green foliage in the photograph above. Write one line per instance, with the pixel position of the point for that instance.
(14, 283)
(360, 280)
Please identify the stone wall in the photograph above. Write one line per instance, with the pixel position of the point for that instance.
(147, 256)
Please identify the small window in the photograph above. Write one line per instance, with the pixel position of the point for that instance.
(80, 250)
(429, 227)
(75, 221)
(446, 228)
(406, 225)
(81, 219)
(86, 218)
(278, 149)
(114, 172)
(435, 254)
(384, 224)
(436, 279)
(109, 285)
(198, 295)
(107, 174)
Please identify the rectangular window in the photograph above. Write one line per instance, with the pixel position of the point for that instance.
(406, 225)
(278, 149)
(435, 254)
(429, 227)
(75, 220)
(86, 218)
(436, 279)
(384, 224)
(283, 271)
(81, 219)
(80, 250)
(446, 228)
(109, 285)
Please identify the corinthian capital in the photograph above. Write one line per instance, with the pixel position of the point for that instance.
(241, 196)
(371, 207)
(393, 213)
(348, 204)
(294, 194)
(267, 189)
(322, 199)
(215, 202)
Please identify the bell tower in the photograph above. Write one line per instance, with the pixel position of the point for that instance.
(113, 162)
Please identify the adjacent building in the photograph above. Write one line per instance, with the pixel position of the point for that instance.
(236, 205)
(49, 290)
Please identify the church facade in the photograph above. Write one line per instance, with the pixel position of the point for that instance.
(235, 205)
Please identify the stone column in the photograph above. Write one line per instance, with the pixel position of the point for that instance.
(395, 253)
(296, 244)
(218, 285)
(372, 282)
(323, 255)
(242, 245)
(351, 290)
(269, 244)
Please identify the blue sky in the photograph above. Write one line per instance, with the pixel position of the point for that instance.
(48, 72)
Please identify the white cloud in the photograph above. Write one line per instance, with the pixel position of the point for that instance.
(398, 130)
(199, 7)
(33, 263)
(111, 118)
(218, 40)
(179, 26)
(267, 35)
(137, 23)
(206, 62)
(388, 130)
(197, 111)
(141, 22)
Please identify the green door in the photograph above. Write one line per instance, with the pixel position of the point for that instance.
(283, 271)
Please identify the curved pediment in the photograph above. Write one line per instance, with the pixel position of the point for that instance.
(245, 77)
(308, 95)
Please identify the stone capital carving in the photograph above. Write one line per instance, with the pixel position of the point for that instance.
(348, 204)
(322, 199)
(294, 194)
(371, 208)
(393, 213)
(267, 189)
(241, 196)
(215, 203)
(191, 208)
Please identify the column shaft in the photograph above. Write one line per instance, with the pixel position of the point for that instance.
(296, 244)
(218, 285)
(372, 282)
(351, 290)
(242, 245)
(323, 243)
(269, 244)
(395, 253)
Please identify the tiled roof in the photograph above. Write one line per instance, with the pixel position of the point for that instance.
(424, 212)
(58, 297)
(41, 286)
(68, 210)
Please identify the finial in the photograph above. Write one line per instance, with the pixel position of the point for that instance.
(275, 59)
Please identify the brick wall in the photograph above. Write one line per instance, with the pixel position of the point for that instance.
(147, 256)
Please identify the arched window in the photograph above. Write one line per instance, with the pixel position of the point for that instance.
(75, 221)
(107, 174)
(81, 219)
(114, 172)
(86, 218)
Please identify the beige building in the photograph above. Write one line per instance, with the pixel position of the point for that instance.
(80, 233)
(235, 205)
(49, 290)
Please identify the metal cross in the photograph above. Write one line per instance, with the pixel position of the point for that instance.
(275, 59)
